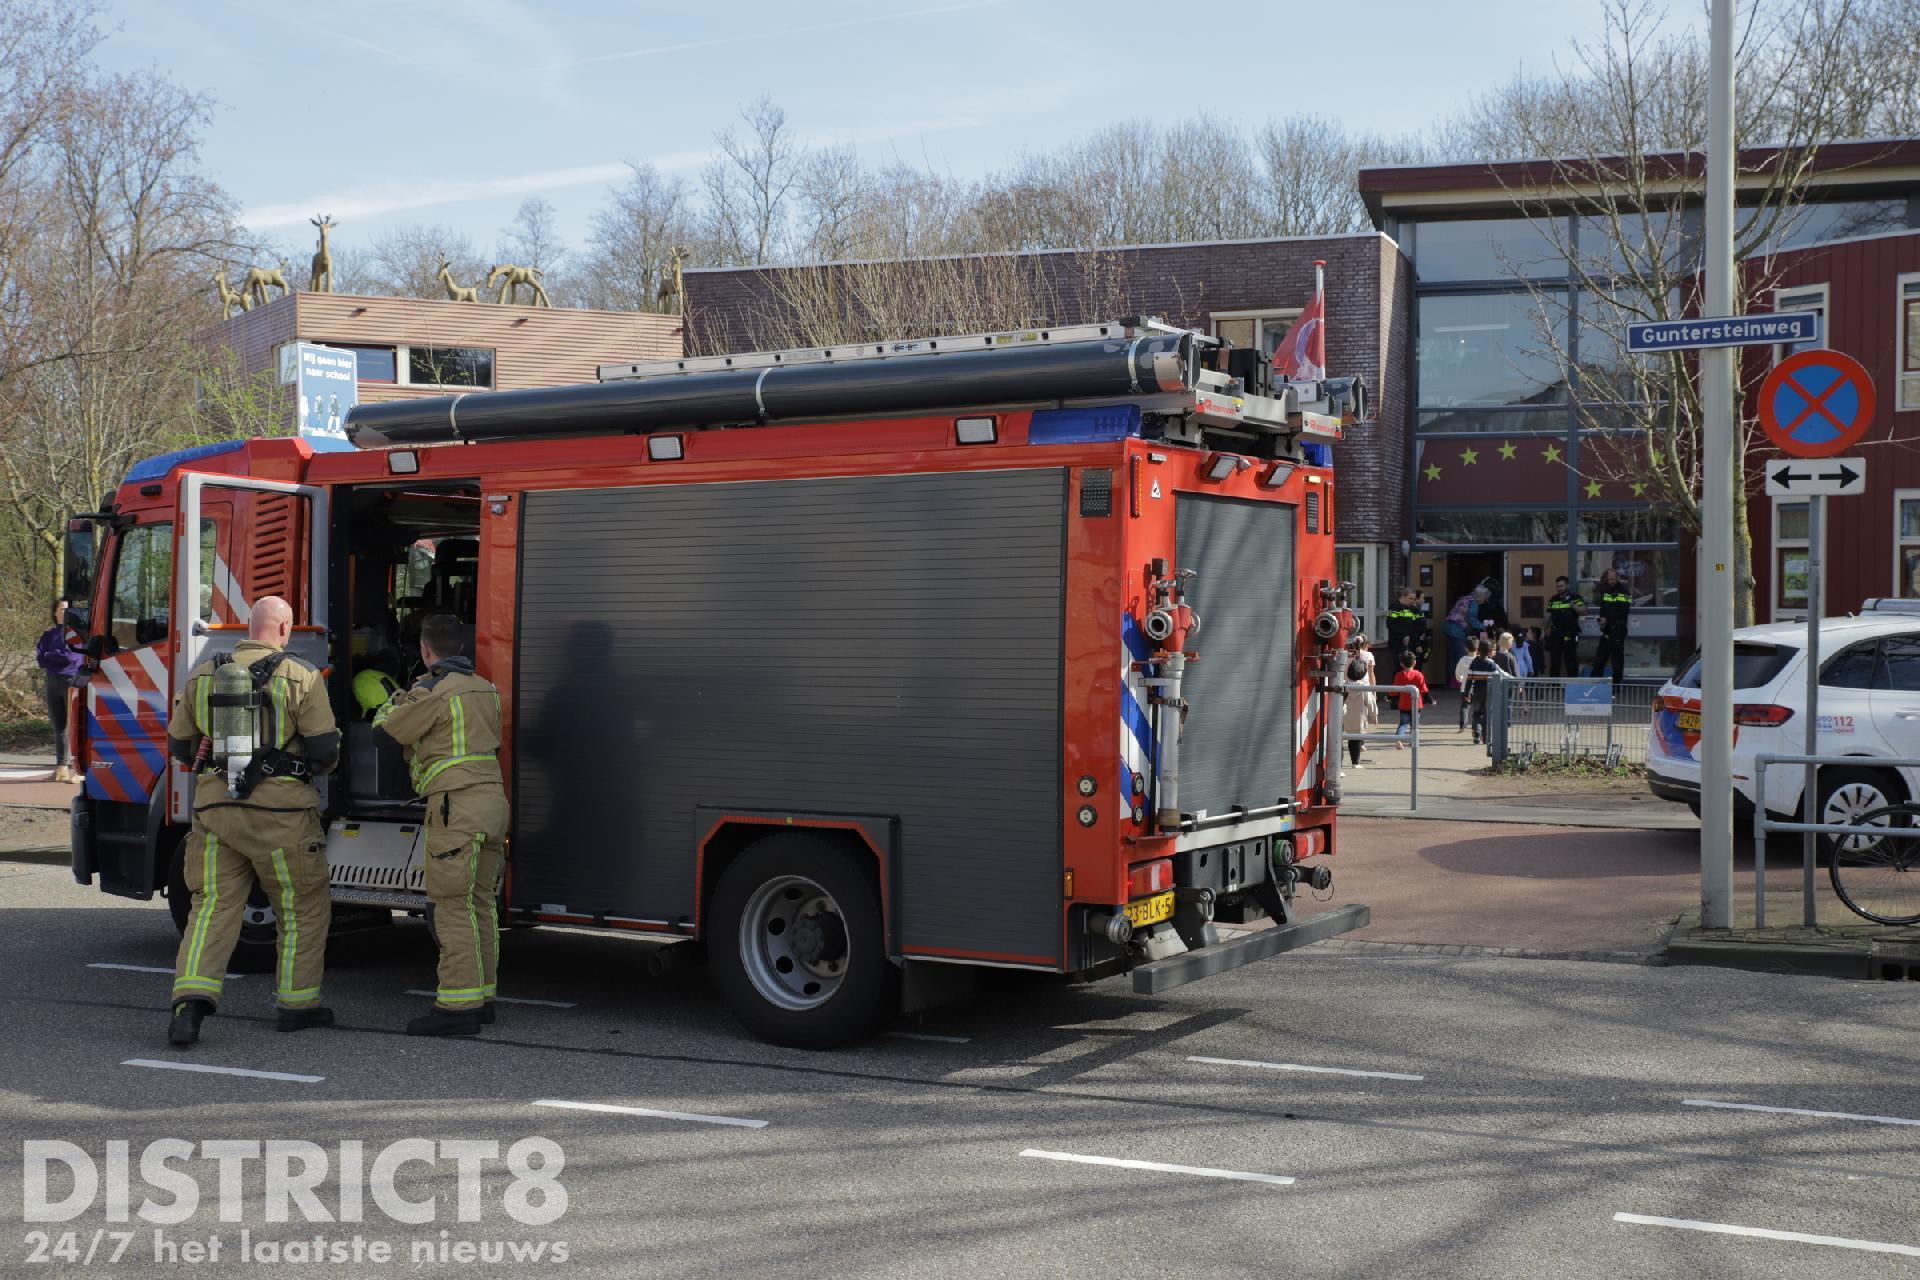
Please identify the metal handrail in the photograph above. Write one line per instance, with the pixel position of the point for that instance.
(1809, 850)
(1413, 785)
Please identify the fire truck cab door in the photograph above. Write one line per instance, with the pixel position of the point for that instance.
(275, 543)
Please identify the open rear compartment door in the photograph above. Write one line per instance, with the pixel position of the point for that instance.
(283, 552)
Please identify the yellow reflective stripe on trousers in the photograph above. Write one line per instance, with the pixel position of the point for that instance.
(473, 915)
(289, 928)
(209, 899)
(439, 767)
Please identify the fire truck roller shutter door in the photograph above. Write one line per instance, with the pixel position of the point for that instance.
(800, 646)
(1240, 743)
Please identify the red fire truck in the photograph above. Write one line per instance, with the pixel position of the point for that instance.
(862, 667)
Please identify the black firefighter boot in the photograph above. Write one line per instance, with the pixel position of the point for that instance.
(187, 1017)
(301, 1019)
(486, 1014)
(446, 1022)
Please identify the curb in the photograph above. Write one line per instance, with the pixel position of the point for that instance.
(1863, 959)
(1526, 816)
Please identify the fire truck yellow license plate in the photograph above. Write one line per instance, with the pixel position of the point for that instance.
(1146, 911)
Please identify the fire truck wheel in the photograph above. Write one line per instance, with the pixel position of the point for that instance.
(254, 952)
(797, 946)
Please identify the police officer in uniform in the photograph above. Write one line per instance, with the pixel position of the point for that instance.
(270, 830)
(1564, 608)
(1407, 630)
(1615, 603)
(449, 722)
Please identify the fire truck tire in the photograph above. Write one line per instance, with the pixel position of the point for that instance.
(254, 952)
(797, 945)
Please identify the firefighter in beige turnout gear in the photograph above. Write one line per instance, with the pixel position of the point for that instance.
(449, 721)
(271, 831)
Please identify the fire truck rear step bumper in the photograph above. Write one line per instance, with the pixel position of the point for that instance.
(1177, 971)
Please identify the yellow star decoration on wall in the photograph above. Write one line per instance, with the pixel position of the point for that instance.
(1552, 453)
(1639, 488)
(1507, 451)
(1433, 472)
(1469, 456)
(1593, 488)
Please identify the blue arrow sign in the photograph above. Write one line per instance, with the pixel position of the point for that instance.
(1724, 331)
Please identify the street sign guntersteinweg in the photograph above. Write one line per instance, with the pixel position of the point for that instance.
(1816, 477)
(1816, 404)
(1724, 331)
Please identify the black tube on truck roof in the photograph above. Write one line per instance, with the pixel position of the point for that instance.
(1150, 364)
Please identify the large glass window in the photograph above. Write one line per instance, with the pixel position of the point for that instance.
(1607, 371)
(1631, 243)
(1505, 421)
(450, 366)
(1829, 220)
(1485, 249)
(142, 585)
(1652, 575)
(374, 364)
(1489, 349)
(1627, 526)
(1493, 527)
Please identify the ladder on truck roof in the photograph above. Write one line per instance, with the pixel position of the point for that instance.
(1192, 386)
(1314, 408)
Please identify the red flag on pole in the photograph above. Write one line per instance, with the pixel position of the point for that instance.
(1302, 354)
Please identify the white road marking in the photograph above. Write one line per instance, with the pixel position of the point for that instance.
(221, 1071)
(145, 968)
(693, 1116)
(1796, 1111)
(1298, 1066)
(1767, 1233)
(1156, 1167)
(923, 1035)
(549, 1004)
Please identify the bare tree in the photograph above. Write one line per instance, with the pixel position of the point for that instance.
(630, 249)
(405, 261)
(748, 187)
(1621, 206)
(1308, 169)
(532, 239)
(112, 282)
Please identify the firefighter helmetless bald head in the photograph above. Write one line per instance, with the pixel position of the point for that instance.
(271, 621)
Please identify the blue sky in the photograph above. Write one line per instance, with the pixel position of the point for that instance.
(383, 112)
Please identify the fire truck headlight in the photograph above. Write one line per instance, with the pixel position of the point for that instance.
(1281, 473)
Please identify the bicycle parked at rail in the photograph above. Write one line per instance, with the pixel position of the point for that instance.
(1878, 876)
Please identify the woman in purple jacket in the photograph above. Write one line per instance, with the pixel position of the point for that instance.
(61, 662)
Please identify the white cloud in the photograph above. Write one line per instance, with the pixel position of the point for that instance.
(782, 33)
(396, 197)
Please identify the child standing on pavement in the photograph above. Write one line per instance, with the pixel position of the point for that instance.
(1409, 674)
(1361, 709)
(1461, 681)
(1481, 669)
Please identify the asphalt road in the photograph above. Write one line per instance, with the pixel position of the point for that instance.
(1517, 1106)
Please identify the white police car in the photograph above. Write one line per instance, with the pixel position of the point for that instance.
(1869, 708)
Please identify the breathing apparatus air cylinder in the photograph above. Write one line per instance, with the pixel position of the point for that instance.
(232, 708)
